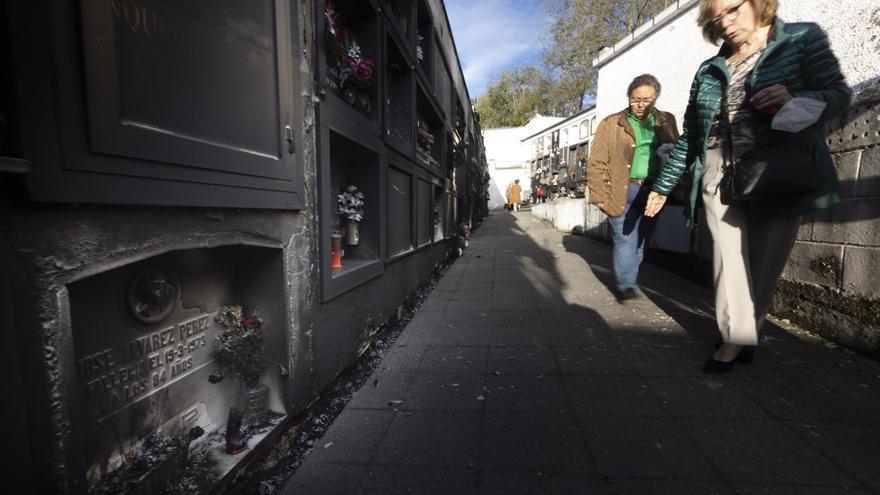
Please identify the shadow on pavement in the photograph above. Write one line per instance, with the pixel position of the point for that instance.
(520, 373)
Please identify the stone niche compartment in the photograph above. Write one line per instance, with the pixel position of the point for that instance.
(424, 217)
(356, 165)
(398, 99)
(143, 338)
(355, 21)
(400, 12)
(430, 134)
(425, 39)
(438, 214)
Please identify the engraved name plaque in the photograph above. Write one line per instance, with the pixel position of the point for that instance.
(142, 357)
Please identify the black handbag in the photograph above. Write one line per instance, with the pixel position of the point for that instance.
(680, 194)
(769, 170)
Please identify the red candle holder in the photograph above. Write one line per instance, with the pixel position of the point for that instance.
(336, 250)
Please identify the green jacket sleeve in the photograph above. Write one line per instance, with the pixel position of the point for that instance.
(685, 150)
(821, 74)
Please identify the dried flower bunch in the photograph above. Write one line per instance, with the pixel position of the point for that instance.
(350, 204)
(239, 347)
(426, 139)
(349, 70)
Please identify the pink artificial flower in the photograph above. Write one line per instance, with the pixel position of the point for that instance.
(362, 69)
(330, 15)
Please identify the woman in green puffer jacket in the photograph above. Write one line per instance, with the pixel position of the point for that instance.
(762, 66)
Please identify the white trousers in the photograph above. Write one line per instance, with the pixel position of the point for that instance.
(750, 252)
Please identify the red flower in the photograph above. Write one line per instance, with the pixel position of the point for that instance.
(251, 323)
(362, 69)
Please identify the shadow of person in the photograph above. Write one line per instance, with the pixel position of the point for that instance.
(688, 304)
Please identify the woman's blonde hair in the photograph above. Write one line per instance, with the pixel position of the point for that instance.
(765, 11)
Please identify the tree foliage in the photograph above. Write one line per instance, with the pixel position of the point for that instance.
(518, 94)
(565, 80)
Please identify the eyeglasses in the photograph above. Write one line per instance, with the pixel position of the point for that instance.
(730, 14)
(646, 101)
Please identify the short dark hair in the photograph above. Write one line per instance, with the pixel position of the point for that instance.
(643, 80)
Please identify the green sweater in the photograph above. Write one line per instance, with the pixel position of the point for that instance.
(797, 56)
(645, 162)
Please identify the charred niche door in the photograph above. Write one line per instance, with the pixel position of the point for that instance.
(162, 102)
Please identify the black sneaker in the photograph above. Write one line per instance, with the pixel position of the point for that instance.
(627, 295)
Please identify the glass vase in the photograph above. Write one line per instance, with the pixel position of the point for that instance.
(352, 233)
(253, 402)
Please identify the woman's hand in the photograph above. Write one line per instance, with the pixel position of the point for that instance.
(769, 100)
(655, 204)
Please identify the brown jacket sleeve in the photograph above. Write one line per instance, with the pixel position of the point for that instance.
(670, 129)
(599, 164)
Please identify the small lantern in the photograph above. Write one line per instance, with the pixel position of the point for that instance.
(336, 250)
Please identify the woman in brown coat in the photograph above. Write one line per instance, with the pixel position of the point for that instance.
(514, 195)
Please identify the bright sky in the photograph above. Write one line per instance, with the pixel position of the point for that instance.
(494, 35)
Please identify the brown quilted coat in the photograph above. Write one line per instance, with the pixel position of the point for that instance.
(611, 154)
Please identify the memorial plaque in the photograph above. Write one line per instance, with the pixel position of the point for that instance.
(143, 359)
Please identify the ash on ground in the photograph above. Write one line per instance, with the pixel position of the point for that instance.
(268, 476)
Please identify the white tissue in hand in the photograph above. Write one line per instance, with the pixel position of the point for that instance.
(664, 150)
(798, 114)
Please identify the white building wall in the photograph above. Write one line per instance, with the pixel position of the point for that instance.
(508, 157)
(673, 52)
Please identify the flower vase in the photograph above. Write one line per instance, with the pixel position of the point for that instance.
(352, 233)
(253, 402)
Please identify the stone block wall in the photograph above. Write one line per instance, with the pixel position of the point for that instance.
(831, 284)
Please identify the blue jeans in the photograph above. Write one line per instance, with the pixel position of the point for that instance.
(630, 232)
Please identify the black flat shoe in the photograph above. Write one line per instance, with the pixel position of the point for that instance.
(715, 367)
(746, 354)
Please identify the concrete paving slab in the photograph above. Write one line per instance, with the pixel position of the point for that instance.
(755, 451)
(534, 442)
(354, 438)
(316, 478)
(623, 486)
(432, 439)
(539, 393)
(522, 360)
(500, 482)
(448, 335)
(453, 359)
(522, 374)
(614, 396)
(383, 387)
(511, 336)
(645, 448)
(852, 446)
(704, 397)
(400, 480)
(438, 391)
(592, 359)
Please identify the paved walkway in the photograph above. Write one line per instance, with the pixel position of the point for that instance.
(522, 374)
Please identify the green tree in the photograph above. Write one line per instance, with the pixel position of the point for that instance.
(518, 94)
(565, 80)
(578, 31)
